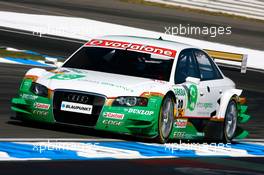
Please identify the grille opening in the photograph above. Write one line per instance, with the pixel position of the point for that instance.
(96, 100)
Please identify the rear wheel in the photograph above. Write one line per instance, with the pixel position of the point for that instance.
(166, 119)
(230, 123)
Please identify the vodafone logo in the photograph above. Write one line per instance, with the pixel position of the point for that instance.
(95, 42)
(113, 115)
(132, 47)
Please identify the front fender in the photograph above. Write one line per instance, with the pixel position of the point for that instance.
(36, 72)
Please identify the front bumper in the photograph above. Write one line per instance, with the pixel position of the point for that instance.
(138, 121)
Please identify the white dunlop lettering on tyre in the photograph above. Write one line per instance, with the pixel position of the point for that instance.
(140, 112)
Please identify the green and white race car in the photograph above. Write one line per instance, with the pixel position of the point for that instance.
(139, 86)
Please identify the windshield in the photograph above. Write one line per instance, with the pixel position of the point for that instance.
(122, 62)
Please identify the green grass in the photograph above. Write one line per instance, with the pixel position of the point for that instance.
(186, 9)
(13, 54)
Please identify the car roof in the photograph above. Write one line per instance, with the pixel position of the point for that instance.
(158, 42)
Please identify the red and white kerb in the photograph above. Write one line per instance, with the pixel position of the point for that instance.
(132, 47)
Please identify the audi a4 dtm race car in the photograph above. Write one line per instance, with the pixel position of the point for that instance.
(139, 86)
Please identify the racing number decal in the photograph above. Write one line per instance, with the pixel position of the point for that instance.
(192, 97)
(180, 103)
(180, 108)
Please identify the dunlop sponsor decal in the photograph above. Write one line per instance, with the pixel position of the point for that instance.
(140, 111)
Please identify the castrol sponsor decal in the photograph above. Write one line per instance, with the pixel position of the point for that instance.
(181, 123)
(113, 115)
(41, 105)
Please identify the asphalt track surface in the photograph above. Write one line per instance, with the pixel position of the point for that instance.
(245, 33)
(191, 166)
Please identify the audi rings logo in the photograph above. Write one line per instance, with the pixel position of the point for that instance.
(78, 98)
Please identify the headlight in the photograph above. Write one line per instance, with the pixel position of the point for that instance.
(130, 101)
(39, 89)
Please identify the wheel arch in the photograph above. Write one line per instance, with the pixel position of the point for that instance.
(224, 100)
(36, 72)
(171, 93)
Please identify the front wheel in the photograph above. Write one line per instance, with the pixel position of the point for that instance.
(166, 119)
(230, 123)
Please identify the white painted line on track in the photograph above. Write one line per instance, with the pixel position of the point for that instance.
(42, 36)
(35, 9)
(55, 139)
(250, 140)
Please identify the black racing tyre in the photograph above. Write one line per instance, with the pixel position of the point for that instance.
(166, 119)
(230, 122)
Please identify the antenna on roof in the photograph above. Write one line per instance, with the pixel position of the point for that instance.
(160, 38)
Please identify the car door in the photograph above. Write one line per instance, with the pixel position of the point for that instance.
(210, 86)
(186, 92)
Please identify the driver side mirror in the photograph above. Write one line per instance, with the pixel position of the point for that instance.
(53, 61)
(193, 80)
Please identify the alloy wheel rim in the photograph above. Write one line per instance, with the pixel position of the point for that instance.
(231, 120)
(166, 118)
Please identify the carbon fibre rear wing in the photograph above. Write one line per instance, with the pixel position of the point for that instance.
(228, 56)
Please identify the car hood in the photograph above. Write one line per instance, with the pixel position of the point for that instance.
(110, 85)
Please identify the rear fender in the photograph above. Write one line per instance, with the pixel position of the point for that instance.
(227, 95)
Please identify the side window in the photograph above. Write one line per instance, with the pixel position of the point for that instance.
(186, 67)
(207, 68)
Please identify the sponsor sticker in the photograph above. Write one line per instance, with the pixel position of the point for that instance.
(41, 105)
(76, 107)
(132, 46)
(28, 96)
(205, 105)
(39, 112)
(179, 135)
(140, 111)
(66, 76)
(192, 98)
(26, 84)
(179, 92)
(181, 123)
(180, 112)
(114, 115)
(200, 134)
(112, 122)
